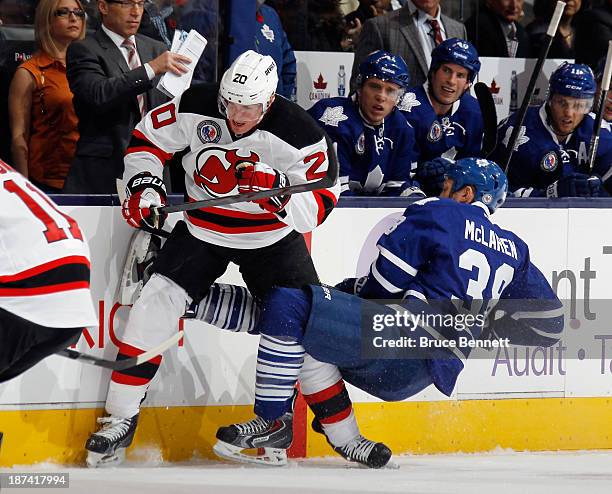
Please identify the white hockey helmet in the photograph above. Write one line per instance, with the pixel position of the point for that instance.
(250, 80)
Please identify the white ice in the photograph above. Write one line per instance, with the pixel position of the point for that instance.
(499, 473)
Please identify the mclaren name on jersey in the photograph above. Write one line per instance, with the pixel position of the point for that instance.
(488, 238)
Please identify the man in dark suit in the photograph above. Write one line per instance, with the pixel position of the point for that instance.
(495, 31)
(410, 33)
(593, 31)
(112, 75)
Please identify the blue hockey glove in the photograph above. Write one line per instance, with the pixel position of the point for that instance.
(575, 185)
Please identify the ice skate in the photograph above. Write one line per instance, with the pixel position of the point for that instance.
(361, 450)
(273, 436)
(107, 446)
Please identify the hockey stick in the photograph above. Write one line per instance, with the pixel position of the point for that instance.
(327, 181)
(489, 117)
(603, 96)
(121, 364)
(548, 38)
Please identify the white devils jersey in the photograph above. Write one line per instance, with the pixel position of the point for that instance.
(287, 139)
(44, 260)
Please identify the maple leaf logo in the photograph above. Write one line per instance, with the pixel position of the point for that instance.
(494, 88)
(320, 83)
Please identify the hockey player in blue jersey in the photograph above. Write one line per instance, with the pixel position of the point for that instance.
(441, 250)
(550, 157)
(375, 145)
(446, 118)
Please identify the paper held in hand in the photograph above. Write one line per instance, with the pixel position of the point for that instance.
(192, 45)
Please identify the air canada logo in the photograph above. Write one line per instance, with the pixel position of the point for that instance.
(360, 144)
(215, 169)
(435, 132)
(320, 90)
(549, 162)
(209, 131)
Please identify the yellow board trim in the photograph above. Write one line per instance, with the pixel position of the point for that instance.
(537, 424)
(169, 434)
(183, 433)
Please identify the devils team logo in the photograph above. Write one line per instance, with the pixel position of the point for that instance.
(209, 131)
(216, 167)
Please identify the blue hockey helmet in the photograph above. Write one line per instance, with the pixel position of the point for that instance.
(487, 178)
(573, 79)
(386, 67)
(457, 51)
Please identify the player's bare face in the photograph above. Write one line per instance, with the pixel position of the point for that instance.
(243, 118)
(377, 99)
(123, 16)
(66, 24)
(566, 113)
(449, 82)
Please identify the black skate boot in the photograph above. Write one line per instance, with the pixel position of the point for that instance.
(274, 436)
(360, 450)
(107, 446)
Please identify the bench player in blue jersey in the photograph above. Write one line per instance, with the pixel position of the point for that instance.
(446, 118)
(375, 146)
(441, 250)
(550, 157)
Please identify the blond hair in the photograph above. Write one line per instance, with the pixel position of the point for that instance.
(45, 13)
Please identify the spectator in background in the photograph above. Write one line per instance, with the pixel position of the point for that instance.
(593, 31)
(355, 19)
(375, 145)
(313, 25)
(496, 32)
(446, 118)
(112, 74)
(270, 39)
(563, 43)
(411, 32)
(42, 118)
(607, 115)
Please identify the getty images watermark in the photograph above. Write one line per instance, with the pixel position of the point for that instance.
(416, 328)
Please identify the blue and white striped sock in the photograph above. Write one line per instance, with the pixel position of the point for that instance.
(279, 361)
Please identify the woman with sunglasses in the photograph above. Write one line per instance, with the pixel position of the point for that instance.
(43, 122)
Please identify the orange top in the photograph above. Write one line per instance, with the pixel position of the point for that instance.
(53, 126)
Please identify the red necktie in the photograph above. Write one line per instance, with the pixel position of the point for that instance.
(134, 63)
(437, 33)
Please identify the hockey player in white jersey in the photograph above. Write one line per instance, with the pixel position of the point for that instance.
(240, 138)
(45, 300)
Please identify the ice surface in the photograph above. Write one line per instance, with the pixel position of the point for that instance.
(500, 472)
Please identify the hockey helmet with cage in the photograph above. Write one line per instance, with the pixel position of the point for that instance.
(457, 51)
(250, 80)
(386, 67)
(573, 79)
(488, 179)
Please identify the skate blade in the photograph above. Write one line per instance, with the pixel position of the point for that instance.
(272, 457)
(100, 460)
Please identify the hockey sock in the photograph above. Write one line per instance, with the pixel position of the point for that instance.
(284, 315)
(279, 361)
(334, 411)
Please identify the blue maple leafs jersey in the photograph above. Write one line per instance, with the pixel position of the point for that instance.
(373, 160)
(455, 135)
(539, 159)
(444, 250)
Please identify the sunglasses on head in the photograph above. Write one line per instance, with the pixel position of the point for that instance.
(65, 12)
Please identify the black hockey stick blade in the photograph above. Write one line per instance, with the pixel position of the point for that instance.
(603, 96)
(121, 364)
(520, 117)
(325, 182)
(489, 117)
